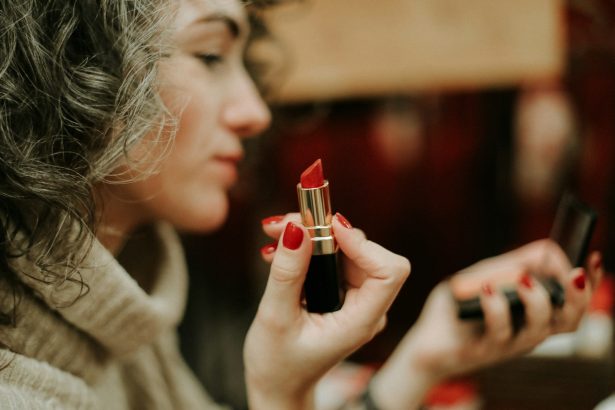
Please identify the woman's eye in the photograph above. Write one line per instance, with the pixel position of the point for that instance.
(211, 60)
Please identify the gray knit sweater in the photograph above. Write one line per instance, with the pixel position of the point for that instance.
(115, 347)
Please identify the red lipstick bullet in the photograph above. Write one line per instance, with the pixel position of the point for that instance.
(322, 284)
(313, 176)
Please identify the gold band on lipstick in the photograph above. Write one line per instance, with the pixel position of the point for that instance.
(315, 206)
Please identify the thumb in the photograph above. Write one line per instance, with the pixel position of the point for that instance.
(281, 301)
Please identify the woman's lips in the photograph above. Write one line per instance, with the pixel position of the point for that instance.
(226, 166)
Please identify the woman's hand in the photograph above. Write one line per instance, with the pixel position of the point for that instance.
(288, 349)
(440, 345)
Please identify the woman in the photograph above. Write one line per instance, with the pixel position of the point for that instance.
(121, 119)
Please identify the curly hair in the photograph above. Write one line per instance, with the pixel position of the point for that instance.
(77, 90)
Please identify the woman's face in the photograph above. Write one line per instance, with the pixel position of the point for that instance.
(205, 85)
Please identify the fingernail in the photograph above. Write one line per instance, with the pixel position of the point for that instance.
(343, 220)
(269, 248)
(272, 220)
(487, 289)
(579, 281)
(293, 236)
(526, 281)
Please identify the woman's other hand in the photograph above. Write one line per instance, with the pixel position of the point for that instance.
(288, 349)
(441, 345)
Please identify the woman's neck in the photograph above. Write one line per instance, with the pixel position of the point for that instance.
(120, 217)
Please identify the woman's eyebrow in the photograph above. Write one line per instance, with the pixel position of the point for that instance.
(230, 23)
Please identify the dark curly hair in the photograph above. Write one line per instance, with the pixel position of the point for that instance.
(77, 90)
(78, 87)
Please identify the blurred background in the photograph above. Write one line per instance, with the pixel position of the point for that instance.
(448, 131)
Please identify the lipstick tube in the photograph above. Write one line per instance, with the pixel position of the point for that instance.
(322, 284)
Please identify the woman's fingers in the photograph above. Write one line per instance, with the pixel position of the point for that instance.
(499, 335)
(595, 269)
(543, 256)
(268, 251)
(385, 273)
(354, 276)
(538, 312)
(579, 286)
(577, 293)
(498, 324)
(273, 226)
(366, 254)
(554, 263)
(281, 302)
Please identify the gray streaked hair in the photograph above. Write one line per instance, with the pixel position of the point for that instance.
(77, 89)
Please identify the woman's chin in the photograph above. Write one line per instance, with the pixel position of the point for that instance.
(211, 224)
(204, 218)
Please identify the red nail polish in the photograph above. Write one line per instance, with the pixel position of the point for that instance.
(269, 248)
(487, 289)
(579, 281)
(293, 236)
(343, 220)
(526, 281)
(272, 220)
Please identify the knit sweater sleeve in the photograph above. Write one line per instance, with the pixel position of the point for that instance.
(26, 383)
(19, 398)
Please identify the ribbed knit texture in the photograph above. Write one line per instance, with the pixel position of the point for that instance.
(114, 347)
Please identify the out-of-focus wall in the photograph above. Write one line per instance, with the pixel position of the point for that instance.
(350, 48)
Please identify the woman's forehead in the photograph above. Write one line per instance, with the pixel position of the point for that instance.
(192, 11)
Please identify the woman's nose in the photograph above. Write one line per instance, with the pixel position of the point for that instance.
(246, 113)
